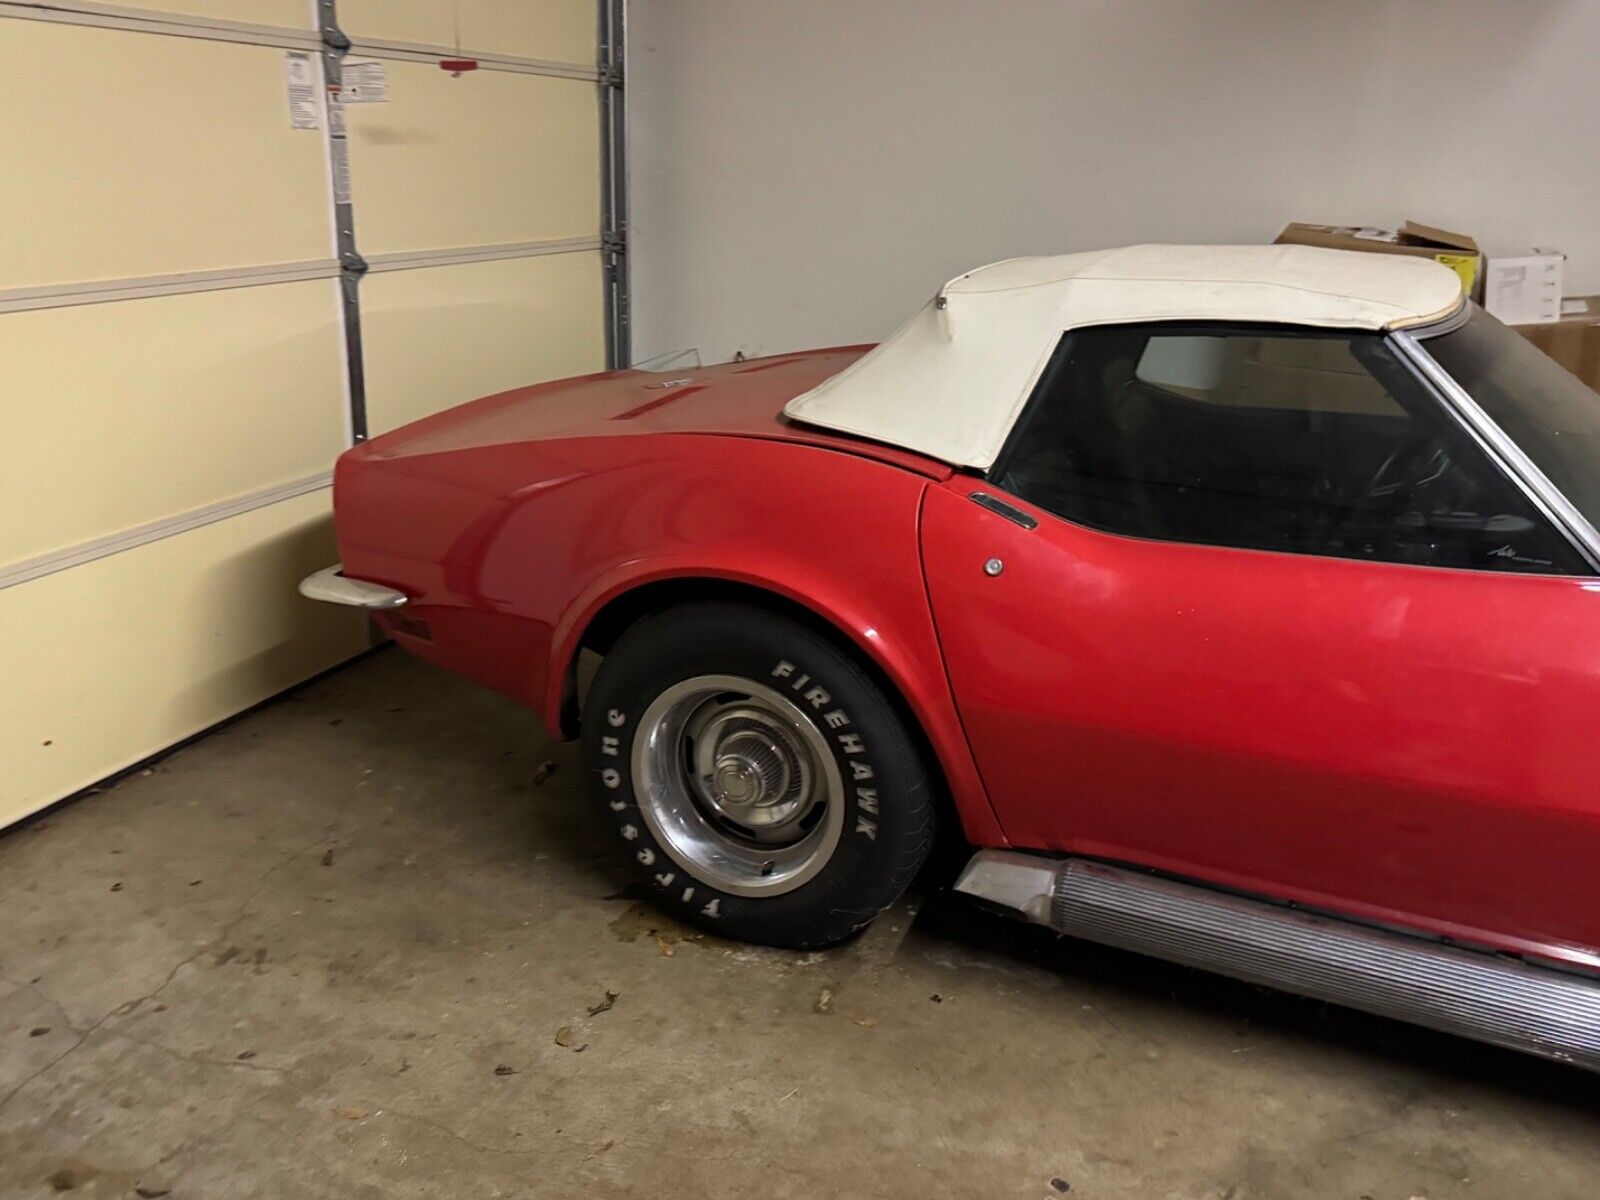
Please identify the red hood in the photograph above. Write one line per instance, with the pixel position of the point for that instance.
(741, 399)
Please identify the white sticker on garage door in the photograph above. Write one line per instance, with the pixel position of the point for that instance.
(300, 73)
(341, 170)
(364, 82)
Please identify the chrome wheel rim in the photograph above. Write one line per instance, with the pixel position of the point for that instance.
(737, 785)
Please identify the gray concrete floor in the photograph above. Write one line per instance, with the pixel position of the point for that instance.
(349, 947)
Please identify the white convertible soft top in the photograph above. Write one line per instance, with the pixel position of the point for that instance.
(951, 381)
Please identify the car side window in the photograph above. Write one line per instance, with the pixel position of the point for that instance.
(1268, 438)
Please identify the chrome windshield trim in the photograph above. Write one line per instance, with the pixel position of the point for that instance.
(1499, 444)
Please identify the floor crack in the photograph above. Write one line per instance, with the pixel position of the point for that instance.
(441, 1127)
(129, 1006)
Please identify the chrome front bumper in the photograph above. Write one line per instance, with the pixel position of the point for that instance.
(332, 586)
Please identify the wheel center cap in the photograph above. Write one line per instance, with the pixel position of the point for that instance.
(737, 781)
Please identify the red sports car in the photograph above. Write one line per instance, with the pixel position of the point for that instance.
(1237, 605)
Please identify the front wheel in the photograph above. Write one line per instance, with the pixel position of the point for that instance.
(762, 783)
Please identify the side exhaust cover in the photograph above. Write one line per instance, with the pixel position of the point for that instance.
(1484, 996)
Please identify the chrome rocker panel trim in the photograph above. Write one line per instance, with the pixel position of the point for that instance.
(332, 586)
(1478, 995)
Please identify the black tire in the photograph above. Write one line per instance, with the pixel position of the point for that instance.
(886, 801)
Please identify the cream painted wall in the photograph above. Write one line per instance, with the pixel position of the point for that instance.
(132, 153)
(169, 403)
(809, 173)
(553, 30)
(486, 158)
(293, 14)
(440, 335)
(129, 173)
(110, 661)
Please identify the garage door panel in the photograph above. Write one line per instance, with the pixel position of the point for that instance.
(178, 158)
(156, 407)
(107, 662)
(439, 336)
(285, 14)
(489, 158)
(552, 30)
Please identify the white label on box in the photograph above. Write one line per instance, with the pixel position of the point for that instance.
(365, 82)
(1524, 290)
(300, 74)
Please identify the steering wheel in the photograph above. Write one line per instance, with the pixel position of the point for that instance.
(1410, 467)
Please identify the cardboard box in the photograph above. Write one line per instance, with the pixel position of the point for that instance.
(1455, 250)
(1574, 340)
(1525, 289)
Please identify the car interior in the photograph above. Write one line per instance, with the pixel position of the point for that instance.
(1289, 440)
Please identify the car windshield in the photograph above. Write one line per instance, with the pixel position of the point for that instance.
(1546, 410)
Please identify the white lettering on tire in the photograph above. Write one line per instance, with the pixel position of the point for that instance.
(629, 832)
(646, 856)
(850, 743)
(611, 777)
(714, 909)
(610, 745)
(616, 719)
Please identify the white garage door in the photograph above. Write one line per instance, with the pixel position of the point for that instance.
(215, 274)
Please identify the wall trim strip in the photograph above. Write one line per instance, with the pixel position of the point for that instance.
(100, 291)
(155, 531)
(146, 20)
(402, 260)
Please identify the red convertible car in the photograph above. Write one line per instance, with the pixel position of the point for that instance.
(1237, 605)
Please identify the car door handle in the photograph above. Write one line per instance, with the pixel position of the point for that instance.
(995, 505)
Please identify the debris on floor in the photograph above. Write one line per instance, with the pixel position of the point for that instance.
(605, 1005)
